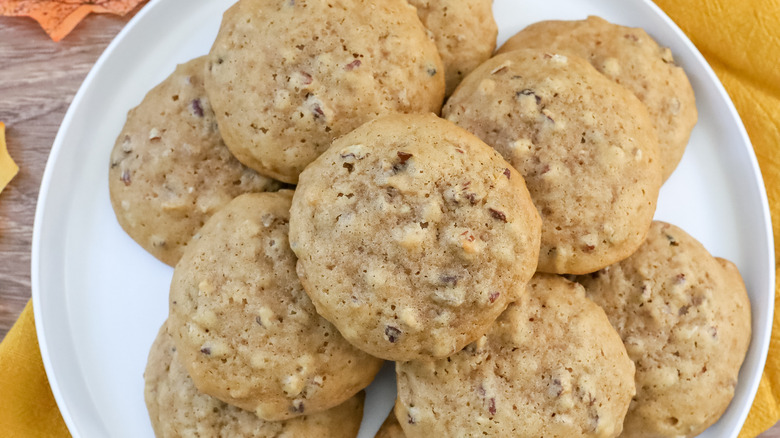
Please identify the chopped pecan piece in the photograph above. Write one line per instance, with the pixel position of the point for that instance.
(197, 109)
(497, 214)
(528, 92)
(404, 156)
(392, 333)
(352, 65)
(450, 280)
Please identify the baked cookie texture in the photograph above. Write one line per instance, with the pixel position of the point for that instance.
(244, 327)
(177, 409)
(170, 170)
(685, 320)
(288, 77)
(550, 366)
(632, 58)
(412, 236)
(585, 146)
(390, 428)
(465, 33)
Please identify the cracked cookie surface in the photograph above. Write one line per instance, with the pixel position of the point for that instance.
(170, 170)
(177, 409)
(412, 236)
(288, 77)
(551, 365)
(243, 325)
(585, 146)
(684, 317)
(630, 57)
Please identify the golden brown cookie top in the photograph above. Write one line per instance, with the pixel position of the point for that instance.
(550, 366)
(288, 77)
(585, 146)
(685, 320)
(632, 58)
(170, 170)
(177, 409)
(412, 236)
(465, 33)
(243, 325)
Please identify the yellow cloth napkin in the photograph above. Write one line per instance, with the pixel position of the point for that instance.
(741, 40)
(8, 169)
(27, 407)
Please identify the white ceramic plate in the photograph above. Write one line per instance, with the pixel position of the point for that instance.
(99, 298)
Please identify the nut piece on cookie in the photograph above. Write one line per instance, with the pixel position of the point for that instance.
(244, 327)
(630, 57)
(412, 236)
(170, 170)
(288, 77)
(177, 409)
(550, 366)
(585, 146)
(684, 317)
(465, 33)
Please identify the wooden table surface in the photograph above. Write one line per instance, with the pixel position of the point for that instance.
(38, 79)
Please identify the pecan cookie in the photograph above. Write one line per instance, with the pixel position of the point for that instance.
(412, 236)
(632, 58)
(684, 317)
(551, 366)
(465, 33)
(288, 77)
(244, 327)
(390, 428)
(177, 409)
(584, 144)
(170, 170)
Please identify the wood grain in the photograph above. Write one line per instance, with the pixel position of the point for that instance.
(38, 79)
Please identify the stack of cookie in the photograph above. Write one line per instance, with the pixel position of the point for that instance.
(438, 243)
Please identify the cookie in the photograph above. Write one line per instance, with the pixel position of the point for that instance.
(412, 236)
(630, 57)
(685, 320)
(551, 366)
(244, 327)
(465, 33)
(170, 170)
(177, 409)
(390, 428)
(288, 77)
(585, 146)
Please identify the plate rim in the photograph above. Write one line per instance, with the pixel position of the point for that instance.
(765, 208)
(40, 210)
(58, 145)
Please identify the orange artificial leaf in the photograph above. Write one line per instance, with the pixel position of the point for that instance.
(8, 169)
(59, 17)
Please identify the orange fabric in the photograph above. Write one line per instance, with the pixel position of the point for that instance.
(59, 17)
